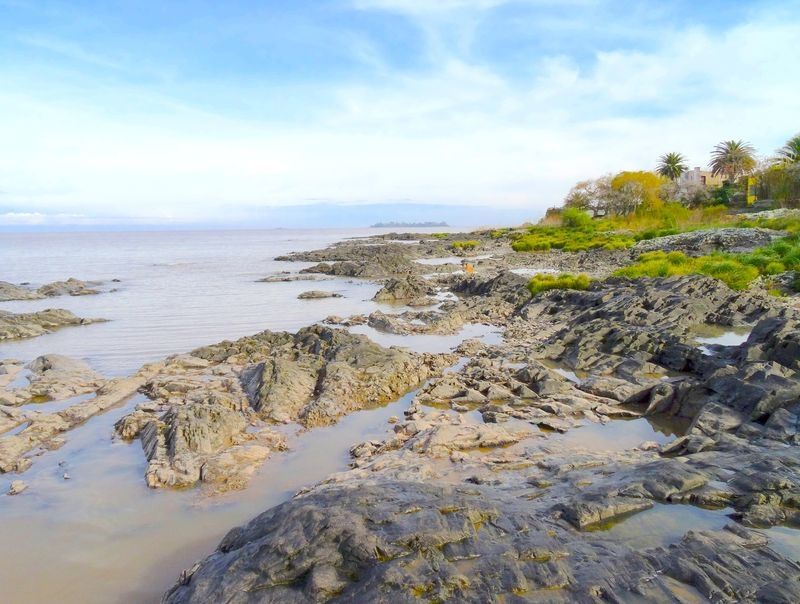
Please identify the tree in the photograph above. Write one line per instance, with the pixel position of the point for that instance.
(790, 152)
(591, 195)
(671, 165)
(732, 159)
(630, 190)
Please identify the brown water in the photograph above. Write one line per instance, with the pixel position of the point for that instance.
(102, 535)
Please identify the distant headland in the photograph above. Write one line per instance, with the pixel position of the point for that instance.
(383, 225)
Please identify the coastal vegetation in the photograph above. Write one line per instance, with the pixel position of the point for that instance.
(465, 245)
(547, 281)
(617, 211)
(671, 165)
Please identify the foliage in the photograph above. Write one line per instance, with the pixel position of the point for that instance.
(468, 244)
(731, 271)
(671, 165)
(790, 224)
(736, 270)
(542, 239)
(575, 218)
(790, 152)
(590, 195)
(499, 233)
(619, 232)
(780, 182)
(778, 257)
(634, 190)
(440, 235)
(732, 159)
(544, 281)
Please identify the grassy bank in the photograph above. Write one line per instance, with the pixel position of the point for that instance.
(577, 232)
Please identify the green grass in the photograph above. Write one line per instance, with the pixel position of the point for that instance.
(736, 270)
(543, 239)
(440, 235)
(578, 232)
(544, 282)
(790, 224)
(469, 244)
(499, 233)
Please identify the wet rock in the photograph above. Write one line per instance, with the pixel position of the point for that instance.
(71, 287)
(401, 541)
(9, 291)
(56, 377)
(17, 487)
(320, 374)
(29, 325)
(287, 277)
(586, 513)
(408, 289)
(316, 294)
(46, 430)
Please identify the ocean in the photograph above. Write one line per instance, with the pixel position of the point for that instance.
(103, 536)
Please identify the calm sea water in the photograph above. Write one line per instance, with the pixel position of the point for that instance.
(103, 536)
(177, 290)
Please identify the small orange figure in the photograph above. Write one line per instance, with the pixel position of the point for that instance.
(468, 267)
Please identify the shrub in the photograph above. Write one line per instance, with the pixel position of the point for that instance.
(545, 281)
(440, 235)
(727, 268)
(469, 244)
(574, 218)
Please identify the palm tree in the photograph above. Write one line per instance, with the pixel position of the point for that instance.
(732, 159)
(671, 165)
(790, 152)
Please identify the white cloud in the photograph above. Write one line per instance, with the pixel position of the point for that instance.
(458, 131)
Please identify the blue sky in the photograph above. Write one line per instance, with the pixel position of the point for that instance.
(206, 111)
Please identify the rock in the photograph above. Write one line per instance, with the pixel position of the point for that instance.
(56, 377)
(72, 287)
(320, 374)
(17, 487)
(194, 428)
(706, 241)
(408, 289)
(405, 540)
(316, 294)
(291, 277)
(29, 325)
(9, 291)
(46, 430)
(585, 514)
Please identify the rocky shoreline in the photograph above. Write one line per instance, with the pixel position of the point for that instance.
(486, 489)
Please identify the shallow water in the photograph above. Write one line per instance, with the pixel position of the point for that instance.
(715, 335)
(102, 535)
(450, 260)
(432, 343)
(616, 435)
(177, 290)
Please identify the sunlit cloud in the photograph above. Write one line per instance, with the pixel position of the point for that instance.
(430, 116)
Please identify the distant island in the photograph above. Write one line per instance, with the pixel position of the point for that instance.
(383, 225)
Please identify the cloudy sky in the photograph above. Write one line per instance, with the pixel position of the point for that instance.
(206, 111)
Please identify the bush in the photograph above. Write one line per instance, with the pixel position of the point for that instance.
(727, 268)
(545, 281)
(440, 235)
(573, 218)
(469, 244)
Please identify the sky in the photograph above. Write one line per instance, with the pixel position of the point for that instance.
(204, 112)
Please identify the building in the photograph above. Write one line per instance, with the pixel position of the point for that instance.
(701, 177)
